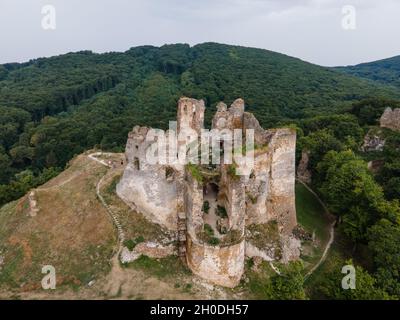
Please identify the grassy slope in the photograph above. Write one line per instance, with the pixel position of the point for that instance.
(312, 217)
(71, 231)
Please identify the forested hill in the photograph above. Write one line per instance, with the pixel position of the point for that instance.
(53, 108)
(385, 71)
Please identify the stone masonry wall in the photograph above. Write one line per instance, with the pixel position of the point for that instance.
(281, 198)
(193, 203)
(223, 266)
(144, 187)
(257, 190)
(190, 114)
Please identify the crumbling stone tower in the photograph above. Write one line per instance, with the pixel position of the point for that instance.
(219, 216)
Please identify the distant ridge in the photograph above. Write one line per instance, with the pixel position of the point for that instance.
(386, 71)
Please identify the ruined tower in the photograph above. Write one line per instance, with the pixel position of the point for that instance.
(218, 215)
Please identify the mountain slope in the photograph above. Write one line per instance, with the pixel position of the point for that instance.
(54, 108)
(385, 71)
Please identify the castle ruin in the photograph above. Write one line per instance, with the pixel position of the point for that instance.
(219, 217)
(391, 119)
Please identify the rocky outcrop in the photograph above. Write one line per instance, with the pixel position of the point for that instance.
(303, 172)
(33, 207)
(373, 142)
(128, 256)
(290, 248)
(391, 119)
(376, 165)
(252, 251)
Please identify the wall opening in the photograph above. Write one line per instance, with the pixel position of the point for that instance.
(169, 173)
(136, 163)
(214, 213)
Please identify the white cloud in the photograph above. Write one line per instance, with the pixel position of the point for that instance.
(309, 29)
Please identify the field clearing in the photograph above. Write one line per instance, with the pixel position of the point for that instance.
(312, 216)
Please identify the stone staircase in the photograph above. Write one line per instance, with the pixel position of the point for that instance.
(182, 236)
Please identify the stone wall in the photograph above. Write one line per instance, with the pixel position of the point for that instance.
(391, 119)
(151, 194)
(193, 203)
(257, 190)
(190, 114)
(264, 194)
(233, 190)
(144, 186)
(229, 118)
(223, 266)
(281, 197)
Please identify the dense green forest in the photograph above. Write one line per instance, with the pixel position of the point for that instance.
(385, 71)
(366, 202)
(54, 108)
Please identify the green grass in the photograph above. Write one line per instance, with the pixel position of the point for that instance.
(195, 172)
(264, 235)
(221, 212)
(132, 243)
(257, 286)
(161, 268)
(208, 230)
(311, 214)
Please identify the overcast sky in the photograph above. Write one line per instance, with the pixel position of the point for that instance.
(308, 29)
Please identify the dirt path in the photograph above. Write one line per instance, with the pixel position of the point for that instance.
(331, 231)
(123, 283)
(117, 224)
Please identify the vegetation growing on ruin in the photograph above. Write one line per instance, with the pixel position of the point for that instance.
(221, 212)
(231, 171)
(195, 172)
(231, 237)
(206, 207)
(161, 268)
(265, 235)
(265, 284)
(207, 235)
(132, 243)
(253, 199)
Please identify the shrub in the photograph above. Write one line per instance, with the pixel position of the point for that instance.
(213, 241)
(221, 212)
(206, 207)
(208, 230)
(132, 243)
